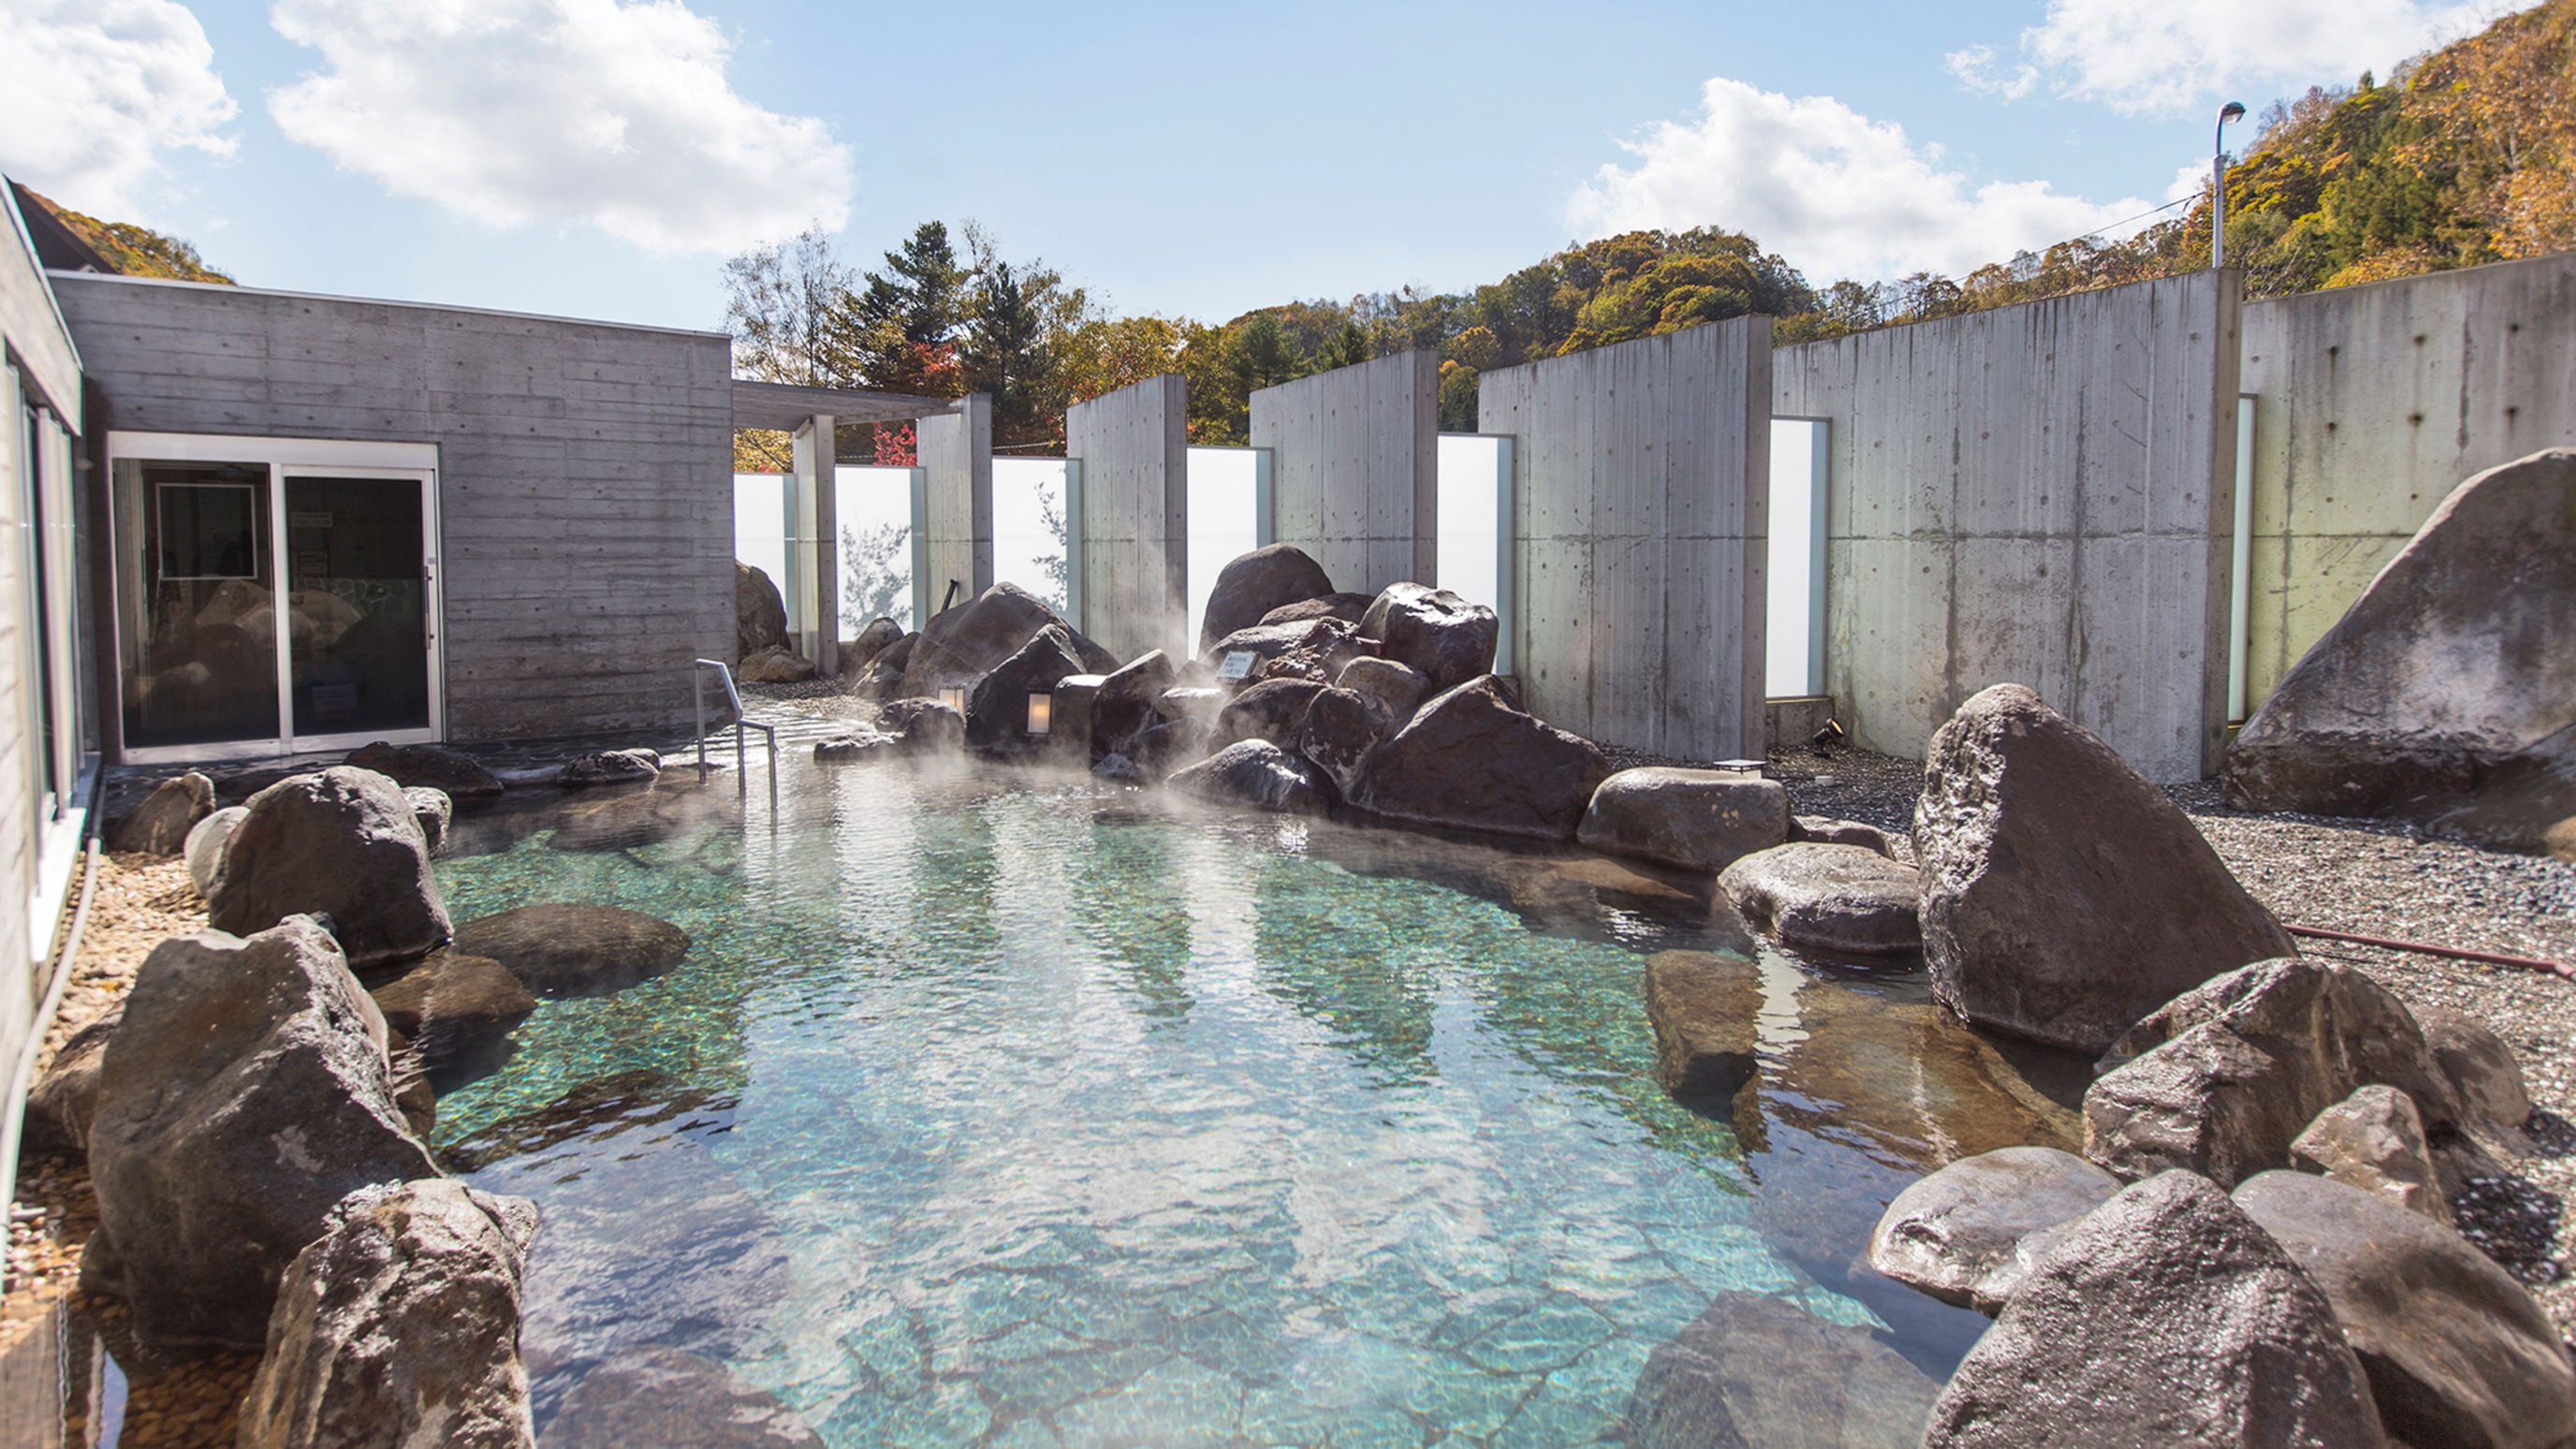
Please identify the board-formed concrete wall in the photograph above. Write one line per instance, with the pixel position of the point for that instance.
(1355, 468)
(2371, 404)
(1641, 480)
(1131, 532)
(956, 453)
(2039, 494)
(585, 471)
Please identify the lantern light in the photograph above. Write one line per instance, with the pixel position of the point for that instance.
(1041, 713)
(953, 696)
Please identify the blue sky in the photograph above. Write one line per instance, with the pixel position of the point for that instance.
(598, 158)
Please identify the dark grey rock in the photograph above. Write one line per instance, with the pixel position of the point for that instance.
(1256, 773)
(1695, 819)
(204, 849)
(664, 1396)
(1118, 767)
(1401, 686)
(862, 652)
(851, 749)
(1264, 642)
(1753, 1372)
(776, 664)
(882, 678)
(760, 614)
(1448, 639)
(2064, 897)
(456, 1008)
(1473, 759)
(1253, 584)
(64, 1101)
(1844, 898)
(400, 1326)
(1173, 744)
(1349, 608)
(1125, 705)
(2457, 1353)
(2164, 1317)
(962, 645)
(1328, 647)
(610, 767)
(575, 948)
(342, 843)
(1970, 1233)
(246, 1093)
(2374, 1140)
(160, 825)
(459, 777)
(1200, 702)
(2481, 1070)
(1271, 710)
(2208, 1102)
(997, 709)
(925, 726)
(1338, 732)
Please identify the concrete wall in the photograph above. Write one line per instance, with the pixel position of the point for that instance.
(1355, 468)
(2040, 494)
(2372, 403)
(585, 471)
(956, 453)
(1641, 480)
(1131, 542)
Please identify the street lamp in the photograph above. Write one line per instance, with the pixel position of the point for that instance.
(2218, 191)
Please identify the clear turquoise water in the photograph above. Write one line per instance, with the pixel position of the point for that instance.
(1006, 1116)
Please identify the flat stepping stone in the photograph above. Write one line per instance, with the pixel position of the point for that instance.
(456, 1008)
(1845, 898)
(576, 948)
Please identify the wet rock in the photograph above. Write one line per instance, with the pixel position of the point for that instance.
(2167, 1317)
(2373, 1140)
(665, 1396)
(1448, 639)
(1473, 759)
(874, 640)
(1125, 705)
(1843, 898)
(1198, 702)
(1253, 584)
(456, 1008)
(571, 948)
(649, 1240)
(2457, 1353)
(1696, 819)
(160, 825)
(1271, 710)
(1172, 745)
(2481, 1070)
(461, 778)
(1264, 642)
(1349, 608)
(1909, 1083)
(245, 1094)
(1587, 891)
(64, 1101)
(610, 767)
(962, 645)
(1970, 1233)
(2208, 1101)
(857, 748)
(672, 807)
(1754, 1371)
(1329, 646)
(204, 849)
(431, 811)
(776, 664)
(2335, 1027)
(1256, 773)
(2064, 897)
(1339, 730)
(926, 726)
(400, 1326)
(344, 844)
(1118, 768)
(1821, 830)
(760, 614)
(1705, 1009)
(882, 678)
(2453, 660)
(1401, 686)
(997, 711)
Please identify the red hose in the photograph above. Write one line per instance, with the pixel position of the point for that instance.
(2531, 963)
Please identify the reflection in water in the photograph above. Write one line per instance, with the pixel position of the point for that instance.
(1035, 1115)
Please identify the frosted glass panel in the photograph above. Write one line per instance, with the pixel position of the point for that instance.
(1794, 628)
(1470, 517)
(760, 524)
(875, 508)
(1225, 522)
(1028, 526)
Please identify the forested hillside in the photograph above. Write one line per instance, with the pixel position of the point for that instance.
(129, 250)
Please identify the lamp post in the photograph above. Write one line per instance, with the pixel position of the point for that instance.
(2218, 187)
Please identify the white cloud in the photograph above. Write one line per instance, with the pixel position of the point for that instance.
(1836, 193)
(2177, 57)
(562, 111)
(96, 90)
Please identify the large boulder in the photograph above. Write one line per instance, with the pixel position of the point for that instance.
(1705, 1008)
(1752, 1372)
(874, 640)
(1125, 704)
(1970, 1233)
(427, 767)
(997, 710)
(456, 1009)
(1256, 773)
(776, 664)
(2452, 661)
(1695, 819)
(963, 644)
(1270, 710)
(2525, 802)
(160, 825)
(1339, 730)
(2481, 1070)
(610, 767)
(1329, 646)
(2374, 1140)
(2208, 1102)
(341, 843)
(2456, 1351)
(2064, 897)
(575, 948)
(759, 613)
(1472, 758)
(1841, 898)
(1349, 608)
(883, 676)
(658, 1396)
(64, 1101)
(246, 1093)
(399, 1326)
(1253, 584)
(1400, 685)
(1264, 642)
(204, 849)
(1447, 638)
(2164, 1317)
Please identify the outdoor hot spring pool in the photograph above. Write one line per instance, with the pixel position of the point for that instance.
(1022, 1112)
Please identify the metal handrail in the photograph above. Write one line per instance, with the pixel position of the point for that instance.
(741, 723)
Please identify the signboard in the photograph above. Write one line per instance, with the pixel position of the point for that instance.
(1237, 665)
